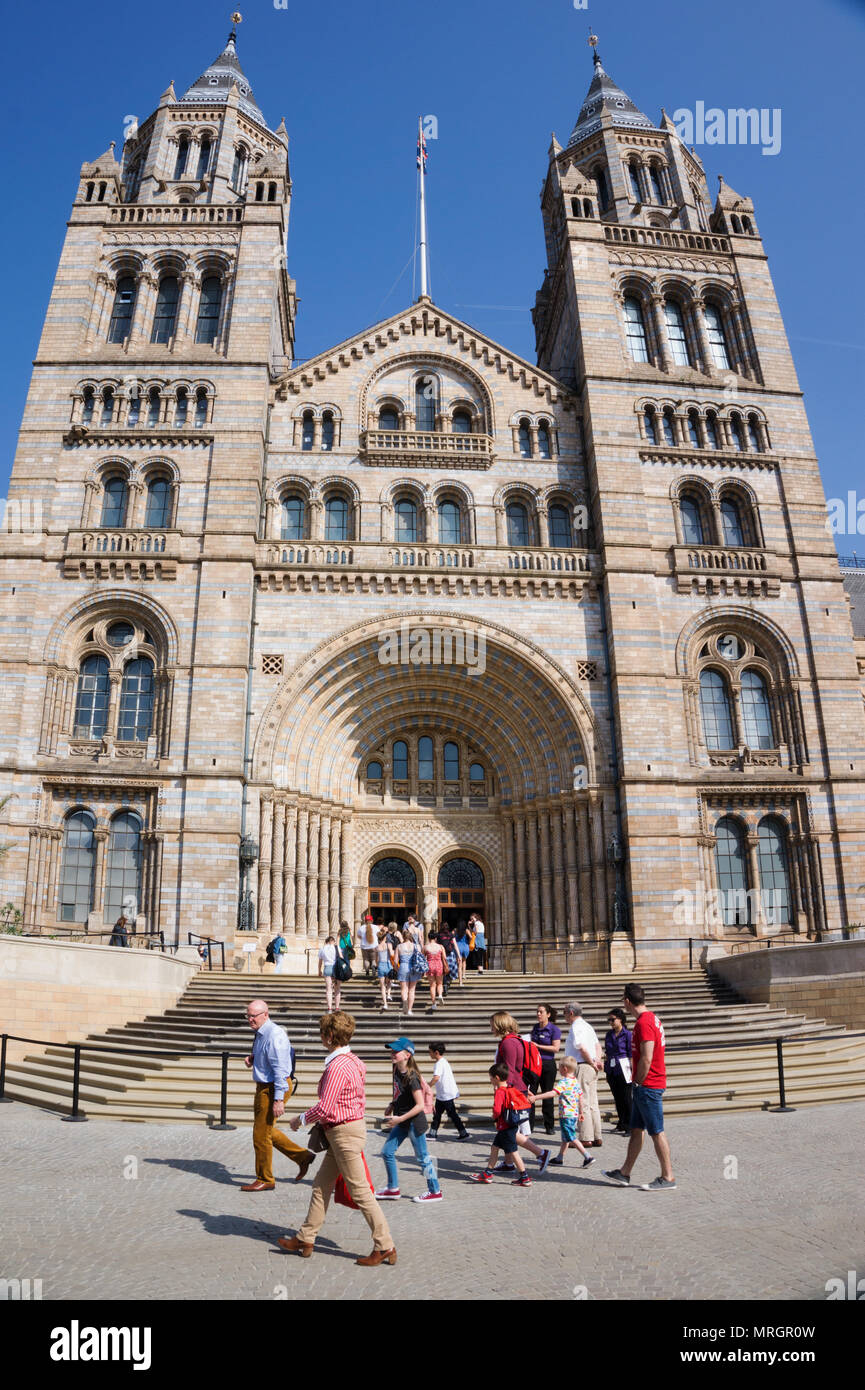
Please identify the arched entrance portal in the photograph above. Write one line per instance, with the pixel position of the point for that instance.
(460, 892)
(392, 891)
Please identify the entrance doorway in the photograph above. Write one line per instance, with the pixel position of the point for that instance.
(461, 891)
(392, 891)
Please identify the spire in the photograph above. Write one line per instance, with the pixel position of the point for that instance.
(604, 98)
(214, 85)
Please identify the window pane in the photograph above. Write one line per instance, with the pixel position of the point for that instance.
(373, 771)
(525, 440)
(711, 432)
(327, 432)
(449, 523)
(560, 527)
(462, 422)
(182, 156)
(518, 524)
(158, 511)
(400, 761)
(731, 866)
(635, 330)
(114, 502)
(635, 183)
(181, 410)
(336, 519)
(715, 710)
(476, 773)
(676, 334)
(732, 524)
(388, 419)
(669, 429)
(91, 704)
(655, 180)
(293, 519)
(717, 340)
(651, 430)
(452, 762)
(425, 404)
(692, 525)
(203, 159)
(756, 716)
(121, 314)
(406, 522)
(76, 876)
(123, 868)
(165, 318)
(308, 432)
(201, 408)
(136, 702)
(774, 874)
(753, 435)
(693, 431)
(209, 306)
(543, 441)
(425, 769)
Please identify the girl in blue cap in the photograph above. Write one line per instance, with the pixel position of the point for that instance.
(406, 1118)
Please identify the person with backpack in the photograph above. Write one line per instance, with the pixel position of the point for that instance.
(406, 1118)
(272, 1064)
(463, 945)
(510, 1110)
(385, 965)
(280, 950)
(406, 974)
(327, 957)
(436, 961)
(523, 1061)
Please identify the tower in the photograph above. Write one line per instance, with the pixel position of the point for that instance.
(738, 715)
(143, 440)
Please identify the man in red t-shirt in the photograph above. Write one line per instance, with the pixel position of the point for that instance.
(650, 1081)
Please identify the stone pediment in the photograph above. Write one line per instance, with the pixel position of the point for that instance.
(425, 330)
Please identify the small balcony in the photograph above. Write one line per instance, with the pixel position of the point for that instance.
(425, 449)
(708, 569)
(111, 553)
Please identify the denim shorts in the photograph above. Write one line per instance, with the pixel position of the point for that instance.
(647, 1109)
(404, 970)
(506, 1140)
(383, 970)
(327, 971)
(569, 1130)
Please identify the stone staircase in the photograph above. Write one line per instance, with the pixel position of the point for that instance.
(696, 1009)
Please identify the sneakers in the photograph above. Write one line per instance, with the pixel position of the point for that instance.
(523, 1181)
(544, 1160)
(465, 1138)
(481, 1177)
(388, 1194)
(616, 1175)
(559, 1162)
(505, 1167)
(586, 1161)
(428, 1197)
(433, 1134)
(659, 1185)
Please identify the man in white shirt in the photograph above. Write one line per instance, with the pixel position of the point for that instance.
(582, 1044)
(447, 1093)
(368, 942)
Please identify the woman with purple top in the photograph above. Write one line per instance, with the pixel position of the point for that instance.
(618, 1069)
(548, 1039)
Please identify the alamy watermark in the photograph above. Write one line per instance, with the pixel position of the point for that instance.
(736, 126)
(412, 644)
(845, 516)
(717, 907)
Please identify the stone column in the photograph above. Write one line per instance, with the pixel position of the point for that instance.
(560, 925)
(302, 834)
(277, 869)
(534, 885)
(702, 335)
(184, 321)
(345, 893)
(599, 866)
(142, 312)
(323, 870)
(509, 895)
(264, 859)
(501, 529)
(32, 879)
(335, 827)
(289, 922)
(100, 835)
(759, 924)
(543, 527)
(156, 883)
(661, 331)
(54, 840)
(548, 926)
(572, 863)
(522, 925)
(312, 875)
(588, 912)
(114, 681)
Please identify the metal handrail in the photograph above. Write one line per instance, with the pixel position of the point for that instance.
(209, 942)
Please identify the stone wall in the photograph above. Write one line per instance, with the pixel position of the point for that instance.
(823, 981)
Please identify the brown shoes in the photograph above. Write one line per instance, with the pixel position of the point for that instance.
(295, 1246)
(597, 1144)
(378, 1257)
(258, 1186)
(304, 1166)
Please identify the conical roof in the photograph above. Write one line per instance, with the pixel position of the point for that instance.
(215, 84)
(604, 97)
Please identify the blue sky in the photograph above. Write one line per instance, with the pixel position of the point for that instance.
(351, 80)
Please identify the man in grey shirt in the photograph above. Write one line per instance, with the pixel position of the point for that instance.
(270, 1061)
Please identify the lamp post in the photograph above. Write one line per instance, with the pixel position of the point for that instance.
(246, 906)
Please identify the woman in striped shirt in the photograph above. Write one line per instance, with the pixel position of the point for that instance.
(340, 1113)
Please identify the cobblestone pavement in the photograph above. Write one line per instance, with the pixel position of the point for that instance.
(111, 1210)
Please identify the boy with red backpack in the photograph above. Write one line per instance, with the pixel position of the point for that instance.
(511, 1107)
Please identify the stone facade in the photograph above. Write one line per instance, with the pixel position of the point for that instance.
(418, 603)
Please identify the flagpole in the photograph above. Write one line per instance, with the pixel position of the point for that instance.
(424, 276)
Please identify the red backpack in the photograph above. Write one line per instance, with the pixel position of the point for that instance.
(532, 1062)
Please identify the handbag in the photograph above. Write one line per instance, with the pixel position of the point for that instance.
(341, 1193)
(317, 1140)
(341, 969)
(418, 965)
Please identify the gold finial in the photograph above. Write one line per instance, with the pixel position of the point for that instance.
(237, 17)
(593, 40)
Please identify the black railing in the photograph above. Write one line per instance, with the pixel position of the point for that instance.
(146, 940)
(210, 946)
(852, 562)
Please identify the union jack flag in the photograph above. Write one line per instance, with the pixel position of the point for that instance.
(422, 152)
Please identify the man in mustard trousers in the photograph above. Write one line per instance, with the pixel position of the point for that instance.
(270, 1061)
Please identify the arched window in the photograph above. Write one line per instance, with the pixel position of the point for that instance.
(717, 337)
(773, 860)
(136, 702)
(107, 406)
(327, 430)
(746, 226)
(154, 405)
(525, 438)
(87, 403)
(561, 535)
(259, 192)
(182, 157)
(737, 433)
(692, 521)
(374, 772)
(76, 875)
(201, 407)
(203, 157)
(165, 317)
(181, 410)
(307, 434)
(238, 168)
(756, 715)
(754, 435)
(635, 329)
(544, 450)
(89, 197)
(600, 176)
(669, 428)
(731, 865)
(731, 522)
(450, 531)
(425, 769)
(651, 429)
(477, 773)
(694, 429)
(271, 192)
(388, 419)
(676, 334)
(209, 307)
(336, 519)
(461, 422)
(452, 762)
(425, 404)
(123, 867)
(400, 761)
(655, 179)
(293, 519)
(158, 510)
(91, 701)
(712, 431)
(405, 516)
(114, 498)
(634, 176)
(133, 410)
(518, 524)
(121, 313)
(716, 711)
